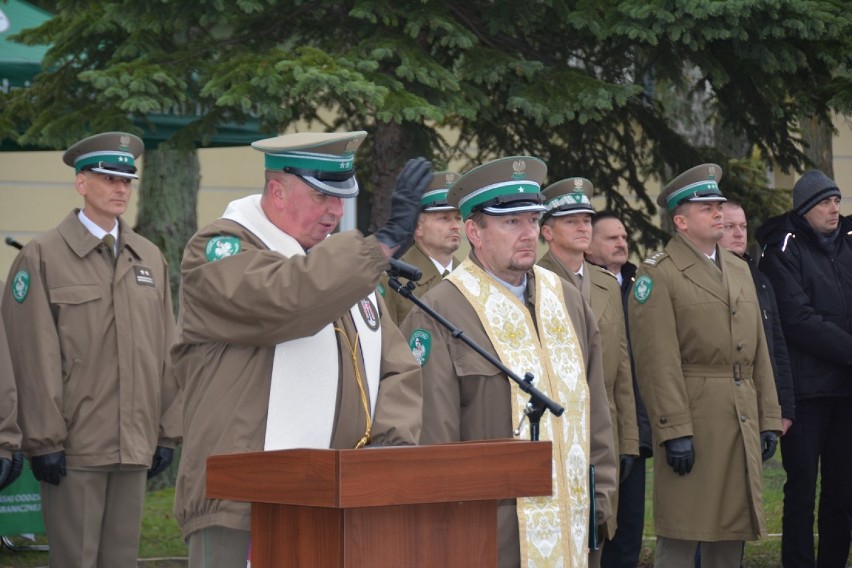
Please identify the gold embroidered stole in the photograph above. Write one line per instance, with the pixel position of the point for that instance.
(553, 530)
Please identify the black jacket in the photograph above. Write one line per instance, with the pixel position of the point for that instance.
(813, 288)
(774, 340)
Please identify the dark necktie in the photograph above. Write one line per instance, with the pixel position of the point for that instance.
(109, 241)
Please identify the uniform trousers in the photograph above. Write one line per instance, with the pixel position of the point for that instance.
(819, 441)
(219, 547)
(595, 557)
(677, 553)
(93, 518)
(624, 549)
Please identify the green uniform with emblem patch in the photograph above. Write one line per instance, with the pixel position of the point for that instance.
(703, 370)
(90, 344)
(282, 347)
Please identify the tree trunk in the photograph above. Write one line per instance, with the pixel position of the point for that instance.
(393, 145)
(818, 137)
(167, 216)
(168, 196)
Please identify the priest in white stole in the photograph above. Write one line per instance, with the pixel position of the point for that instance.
(282, 341)
(532, 321)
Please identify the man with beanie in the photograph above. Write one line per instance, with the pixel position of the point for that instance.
(807, 254)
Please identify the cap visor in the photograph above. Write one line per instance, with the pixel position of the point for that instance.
(343, 189)
(515, 207)
(114, 173)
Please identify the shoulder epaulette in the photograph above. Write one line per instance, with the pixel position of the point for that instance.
(655, 258)
(605, 271)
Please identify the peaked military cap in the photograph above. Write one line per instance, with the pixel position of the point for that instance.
(568, 197)
(323, 160)
(108, 153)
(700, 183)
(435, 196)
(500, 187)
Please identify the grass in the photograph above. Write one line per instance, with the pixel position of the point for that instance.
(162, 547)
(764, 553)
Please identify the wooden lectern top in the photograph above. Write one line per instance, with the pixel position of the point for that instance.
(373, 477)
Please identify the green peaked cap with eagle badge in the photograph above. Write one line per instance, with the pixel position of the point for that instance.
(568, 197)
(504, 186)
(323, 160)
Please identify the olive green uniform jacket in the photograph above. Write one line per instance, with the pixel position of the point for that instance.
(398, 307)
(234, 311)
(10, 434)
(466, 398)
(703, 370)
(90, 347)
(600, 289)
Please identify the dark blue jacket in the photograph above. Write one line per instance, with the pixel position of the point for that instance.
(813, 288)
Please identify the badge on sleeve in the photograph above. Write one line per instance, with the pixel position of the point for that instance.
(221, 246)
(381, 290)
(642, 289)
(370, 313)
(420, 343)
(21, 286)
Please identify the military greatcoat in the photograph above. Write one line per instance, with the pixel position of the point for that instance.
(703, 370)
(600, 288)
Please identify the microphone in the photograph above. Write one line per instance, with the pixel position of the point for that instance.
(13, 243)
(407, 271)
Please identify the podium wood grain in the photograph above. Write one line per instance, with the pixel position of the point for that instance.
(423, 506)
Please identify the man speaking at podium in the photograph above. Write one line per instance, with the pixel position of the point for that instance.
(533, 321)
(282, 342)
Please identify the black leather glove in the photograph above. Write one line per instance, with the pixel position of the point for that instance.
(405, 205)
(16, 466)
(768, 443)
(162, 459)
(49, 468)
(625, 467)
(680, 454)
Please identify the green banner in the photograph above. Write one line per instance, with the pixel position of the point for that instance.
(20, 506)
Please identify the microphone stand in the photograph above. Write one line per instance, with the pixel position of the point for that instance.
(538, 402)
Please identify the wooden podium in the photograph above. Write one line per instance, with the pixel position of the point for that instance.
(413, 506)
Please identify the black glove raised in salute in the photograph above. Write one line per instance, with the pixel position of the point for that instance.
(405, 205)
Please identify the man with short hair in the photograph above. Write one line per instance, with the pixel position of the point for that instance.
(88, 314)
(566, 227)
(705, 376)
(807, 254)
(282, 342)
(436, 238)
(609, 249)
(533, 321)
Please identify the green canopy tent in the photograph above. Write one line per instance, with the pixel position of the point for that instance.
(19, 64)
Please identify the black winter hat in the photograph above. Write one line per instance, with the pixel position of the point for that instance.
(812, 187)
